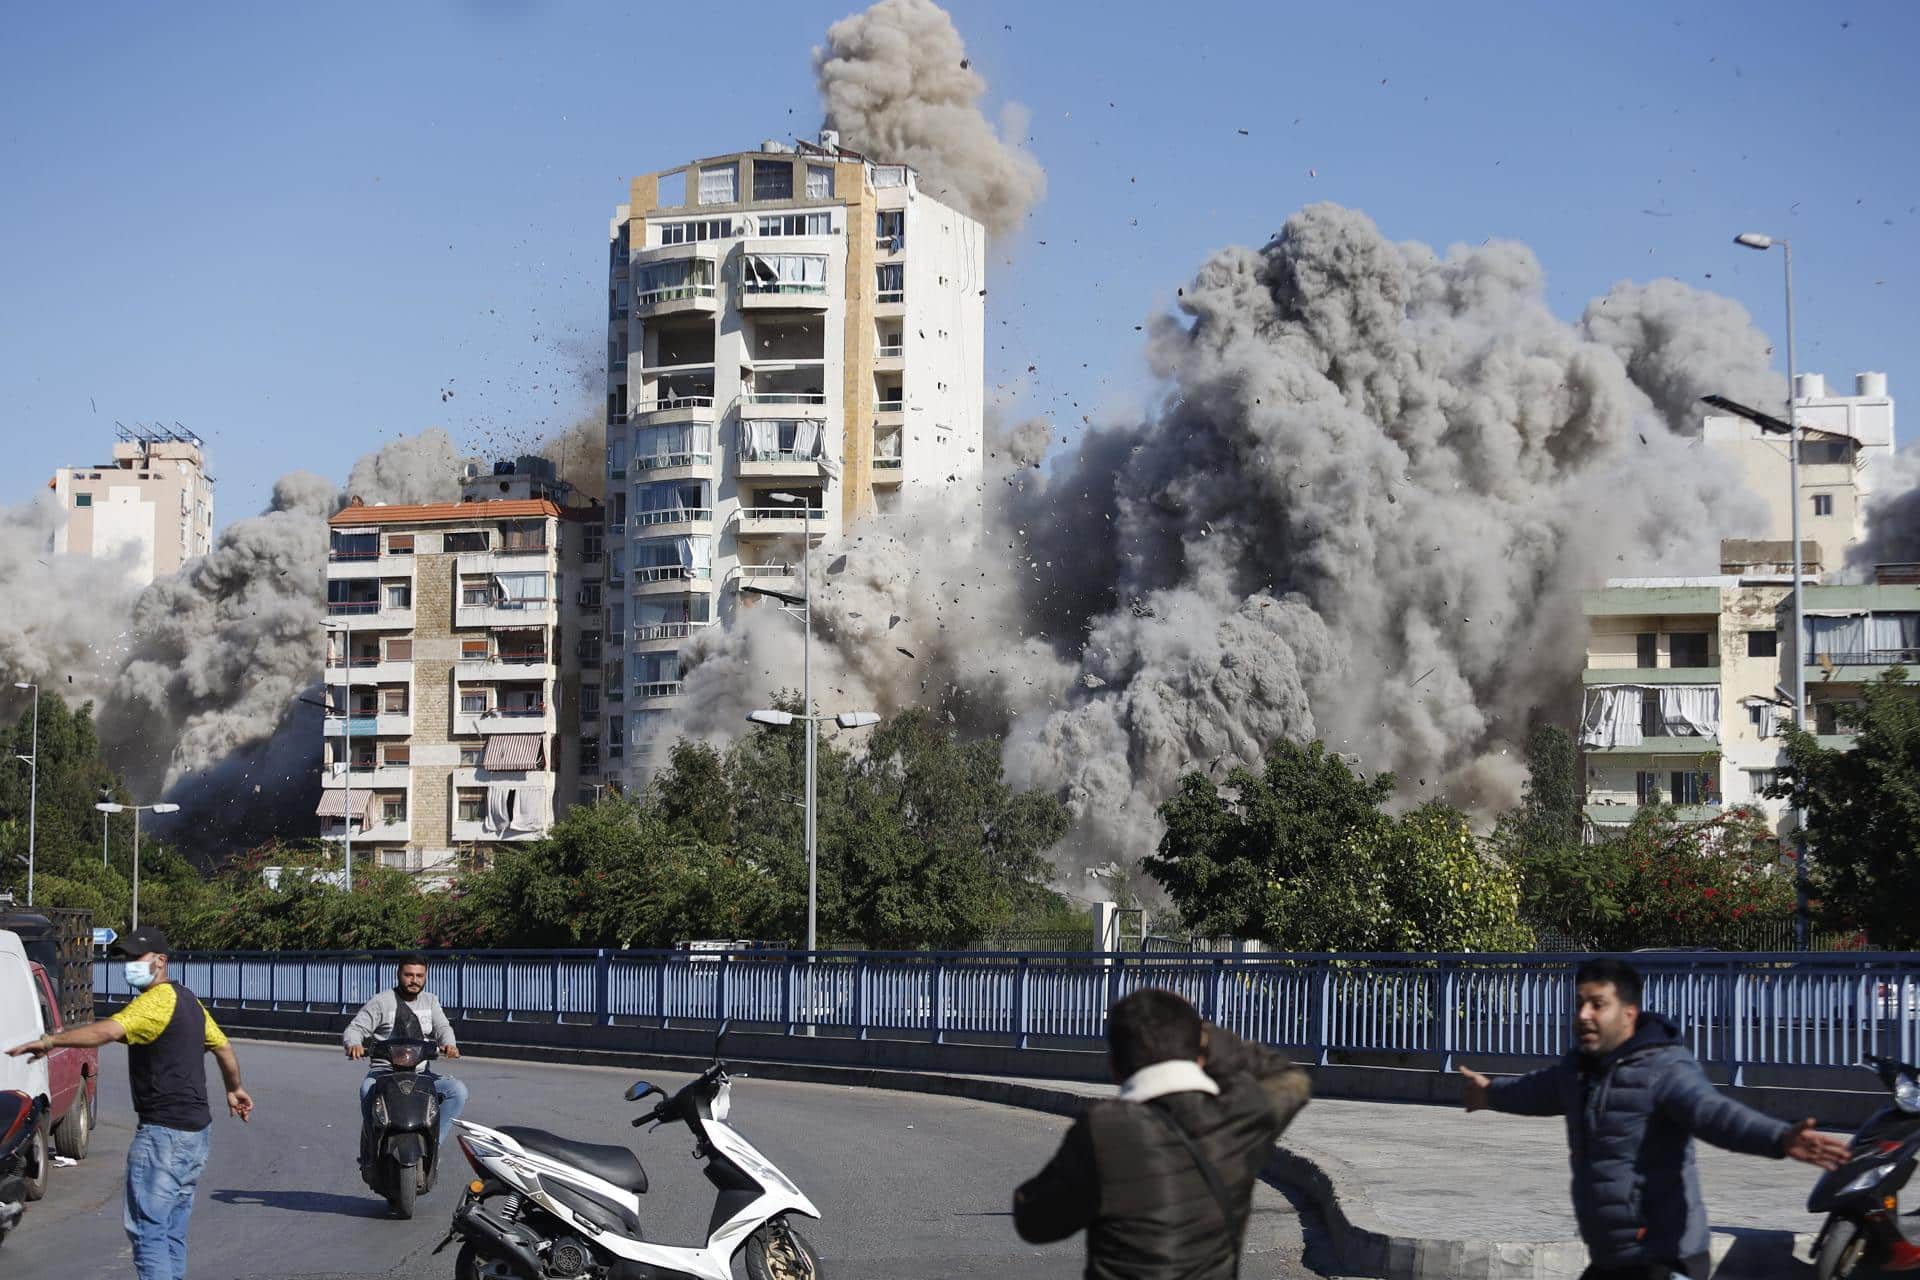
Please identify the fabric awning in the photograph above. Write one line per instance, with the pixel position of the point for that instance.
(513, 751)
(333, 804)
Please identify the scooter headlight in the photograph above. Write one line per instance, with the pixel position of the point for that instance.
(1906, 1094)
(379, 1113)
(1871, 1178)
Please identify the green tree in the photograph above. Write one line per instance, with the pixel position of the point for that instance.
(1863, 814)
(1548, 817)
(1302, 857)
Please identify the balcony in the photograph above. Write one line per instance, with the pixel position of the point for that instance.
(783, 404)
(1650, 675)
(509, 615)
(890, 406)
(1661, 745)
(664, 410)
(367, 777)
(505, 667)
(774, 276)
(895, 352)
(656, 691)
(683, 290)
(1620, 813)
(385, 724)
(368, 564)
(780, 464)
(469, 777)
(537, 719)
(775, 521)
(890, 302)
(774, 574)
(370, 615)
(666, 579)
(370, 671)
(479, 833)
(1865, 666)
(889, 470)
(669, 520)
(651, 634)
(378, 832)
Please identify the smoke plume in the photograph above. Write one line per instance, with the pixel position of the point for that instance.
(1365, 510)
(898, 86)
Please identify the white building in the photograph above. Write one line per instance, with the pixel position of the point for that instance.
(796, 338)
(151, 506)
(1846, 439)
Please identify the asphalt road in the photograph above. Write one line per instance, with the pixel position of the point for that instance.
(910, 1187)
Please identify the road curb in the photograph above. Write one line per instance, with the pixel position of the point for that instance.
(1362, 1243)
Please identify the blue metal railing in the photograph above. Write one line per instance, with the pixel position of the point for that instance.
(1793, 1009)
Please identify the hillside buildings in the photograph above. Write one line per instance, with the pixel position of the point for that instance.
(151, 507)
(795, 339)
(463, 651)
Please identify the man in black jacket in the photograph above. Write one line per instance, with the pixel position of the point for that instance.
(1161, 1178)
(1634, 1097)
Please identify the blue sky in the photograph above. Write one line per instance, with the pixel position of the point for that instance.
(296, 228)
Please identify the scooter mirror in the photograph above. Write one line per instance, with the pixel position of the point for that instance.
(720, 1038)
(641, 1089)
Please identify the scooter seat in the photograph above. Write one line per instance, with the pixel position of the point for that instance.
(610, 1164)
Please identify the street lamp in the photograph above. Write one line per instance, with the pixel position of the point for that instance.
(1757, 241)
(107, 806)
(33, 792)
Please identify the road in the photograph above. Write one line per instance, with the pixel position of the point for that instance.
(910, 1187)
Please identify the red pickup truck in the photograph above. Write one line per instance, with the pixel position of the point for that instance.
(73, 1080)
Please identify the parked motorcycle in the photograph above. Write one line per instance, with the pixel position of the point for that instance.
(543, 1207)
(1865, 1228)
(400, 1148)
(20, 1120)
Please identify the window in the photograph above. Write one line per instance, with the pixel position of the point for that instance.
(470, 805)
(1831, 718)
(1652, 724)
(471, 754)
(519, 590)
(393, 809)
(890, 278)
(524, 535)
(590, 702)
(796, 224)
(1823, 504)
(399, 595)
(399, 544)
(593, 542)
(673, 281)
(1762, 780)
(1690, 787)
(400, 649)
(819, 182)
(890, 229)
(1815, 453)
(473, 702)
(82, 499)
(720, 184)
(355, 546)
(1763, 644)
(1646, 787)
(393, 701)
(395, 755)
(467, 540)
(1689, 648)
(783, 273)
(692, 233)
(589, 595)
(473, 649)
(1646, 648)
(772, 180)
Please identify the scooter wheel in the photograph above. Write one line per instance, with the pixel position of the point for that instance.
(471, 1266)
(781, 1253)
(405, 1187)
(1841, 1251)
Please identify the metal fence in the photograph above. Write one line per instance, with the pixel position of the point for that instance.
(1818, 1010)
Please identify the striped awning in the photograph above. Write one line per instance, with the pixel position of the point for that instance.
(333, 804)
(513, 751)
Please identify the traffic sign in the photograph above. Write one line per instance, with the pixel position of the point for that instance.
(104, 937)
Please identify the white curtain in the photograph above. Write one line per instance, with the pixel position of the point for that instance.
(1690, 710)
(767, 269)
(819, 182)
(499, 808)
(530, 809)
(1767, 716)
(1894, 633)
(1612, 717)
(720, 184)
(683, 549)
(700, 553)
(1836, 635)
(521, 587)
(806, 440)
(759, 438)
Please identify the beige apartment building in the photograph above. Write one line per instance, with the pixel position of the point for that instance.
(796, 338)
(457, 635)
(151, 507)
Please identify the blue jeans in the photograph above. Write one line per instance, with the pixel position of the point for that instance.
(453, 1100)
(163, 1168)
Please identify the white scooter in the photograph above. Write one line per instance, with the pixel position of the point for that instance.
(543, 1207)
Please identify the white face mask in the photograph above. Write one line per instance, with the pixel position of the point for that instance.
(139, 974)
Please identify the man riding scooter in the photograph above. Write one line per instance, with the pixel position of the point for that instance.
(408, 1008)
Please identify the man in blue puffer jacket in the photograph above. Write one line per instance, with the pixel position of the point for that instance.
(1634, 1097)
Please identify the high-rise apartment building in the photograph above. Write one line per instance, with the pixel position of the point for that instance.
(152, 506)
(1845, 440)
(457, 636)
(795, 340)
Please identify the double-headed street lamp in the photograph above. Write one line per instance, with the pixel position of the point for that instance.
(33, 792)
(780, 720)
(107, 806)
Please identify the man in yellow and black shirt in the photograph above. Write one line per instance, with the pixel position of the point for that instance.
(167, 1033)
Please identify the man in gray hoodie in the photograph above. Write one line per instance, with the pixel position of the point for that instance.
(408, 1011)
(1634, 1097)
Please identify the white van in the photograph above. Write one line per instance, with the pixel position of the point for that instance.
(19, 1019)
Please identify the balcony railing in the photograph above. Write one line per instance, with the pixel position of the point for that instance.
(672, 515)
(528, 711)
(657, 689)
(667, 630)
(670, 573)
(767, 570)
(896, 405)
(783, 397)
(892, 295)
(669, 403)
(518, 546)
(890, 244)
(782, 455)
(748, 514)
(616, 471)
(893, 463)
(761, 288)
(1869, 658)
(895, 352)
(340, 553)
(659, 461)
(616, 419)
(339, 607)
(673, 293)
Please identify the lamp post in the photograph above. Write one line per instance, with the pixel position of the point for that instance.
(1757, 241)
(107, 806)
(33, 787)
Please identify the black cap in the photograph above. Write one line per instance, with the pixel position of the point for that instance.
(135, 943)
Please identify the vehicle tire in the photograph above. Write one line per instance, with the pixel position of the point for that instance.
(74, 1134)
(40, 1157)
(1841, 1251)
(405, 1187)
(770, 1258)
(471, 1266)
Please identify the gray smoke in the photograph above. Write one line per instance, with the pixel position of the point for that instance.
(898, 86)
(1680, 344)
(65, 620)
(1893, 518)
(1366, 509)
